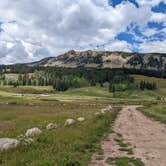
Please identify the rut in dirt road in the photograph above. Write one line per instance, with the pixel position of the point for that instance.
(135, 137)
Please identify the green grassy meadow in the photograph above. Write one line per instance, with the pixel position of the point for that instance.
(25, 107)
(71, 145)
(64, 146)
(156, 111)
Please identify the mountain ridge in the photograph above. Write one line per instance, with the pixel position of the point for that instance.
(105, 59)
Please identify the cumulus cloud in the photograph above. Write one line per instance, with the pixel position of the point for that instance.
(153, 46)
(35, 29)
(158, 17)
(118, 45)
(150, 3)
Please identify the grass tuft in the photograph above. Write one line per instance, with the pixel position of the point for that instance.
(125, 161)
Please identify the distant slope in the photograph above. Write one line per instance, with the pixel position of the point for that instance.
(41, 62)
(106, 59)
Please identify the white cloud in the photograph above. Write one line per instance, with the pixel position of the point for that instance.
(153, 46)
(150, 3)
(15, 54)
(40, 28)
(118, 46)
(149, 32)
(158, 17)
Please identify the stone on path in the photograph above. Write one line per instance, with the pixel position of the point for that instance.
(106, 109)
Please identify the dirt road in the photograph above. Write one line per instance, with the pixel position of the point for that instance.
(134, 136)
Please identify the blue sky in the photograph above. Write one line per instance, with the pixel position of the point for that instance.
(161, 8)
(114, 3)
(129, 34)
(35, 29)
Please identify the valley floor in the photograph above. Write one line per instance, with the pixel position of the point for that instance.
(136, 140)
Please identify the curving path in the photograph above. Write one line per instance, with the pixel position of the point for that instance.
(146, 138)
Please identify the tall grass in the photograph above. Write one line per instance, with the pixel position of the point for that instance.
(155, 111)
(66, 146)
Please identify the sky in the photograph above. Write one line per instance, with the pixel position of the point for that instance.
(34, 29)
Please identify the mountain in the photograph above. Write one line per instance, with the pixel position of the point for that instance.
(106, 59)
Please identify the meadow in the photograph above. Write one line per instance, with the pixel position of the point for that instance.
(155, 110)
(25, 107)
(71, 145)
(21, 109)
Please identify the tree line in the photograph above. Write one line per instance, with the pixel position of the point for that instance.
(62, 78)
(147, 85)
(23, 69)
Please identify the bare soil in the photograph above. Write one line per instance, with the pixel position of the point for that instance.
(146, 138)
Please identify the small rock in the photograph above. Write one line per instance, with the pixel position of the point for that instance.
(32, 132)
(69, 122)
(8, 143)
(51, 126)
(109, 107)
(106, 109)
(80, 119)
(97, 113)
(103, 111)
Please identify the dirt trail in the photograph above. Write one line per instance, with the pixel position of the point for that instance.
(146, 138)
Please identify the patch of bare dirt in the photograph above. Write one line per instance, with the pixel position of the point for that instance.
(145, 139)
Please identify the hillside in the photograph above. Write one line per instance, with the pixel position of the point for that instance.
(106, 59)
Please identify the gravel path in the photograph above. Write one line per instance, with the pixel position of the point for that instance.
(146, 138)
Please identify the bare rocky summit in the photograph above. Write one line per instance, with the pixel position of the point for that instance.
(106, 59)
